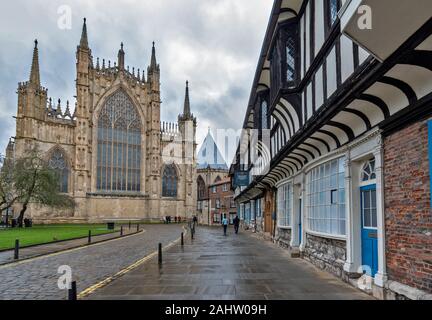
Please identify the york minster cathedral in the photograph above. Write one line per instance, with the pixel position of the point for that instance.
(113, 154)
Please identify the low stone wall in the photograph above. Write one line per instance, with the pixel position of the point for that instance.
(283, 237)
(326, 254)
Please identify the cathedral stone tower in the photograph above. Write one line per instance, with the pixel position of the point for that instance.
(109, 152)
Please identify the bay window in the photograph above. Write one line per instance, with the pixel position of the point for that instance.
(285, 205)
(326, 198)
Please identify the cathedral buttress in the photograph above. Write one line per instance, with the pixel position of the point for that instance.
(83, 115)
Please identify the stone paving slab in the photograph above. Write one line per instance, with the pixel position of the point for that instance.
(237, 267)
(35, 251)
(36, 279)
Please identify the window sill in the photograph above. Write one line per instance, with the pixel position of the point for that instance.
(170, 198)
(117, 195)
(326, 235)
(284, 227)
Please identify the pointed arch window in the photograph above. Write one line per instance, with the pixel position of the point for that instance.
(58, 163)
(368, 171)
(119, 146)
(201, 188)
(169, 182)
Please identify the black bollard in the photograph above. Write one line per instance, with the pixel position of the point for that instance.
(130, 225)
(16, 253)
(89, 237)
(73, 292)
(160, 253)
(182, 239)
(121, 231)
(137, 227)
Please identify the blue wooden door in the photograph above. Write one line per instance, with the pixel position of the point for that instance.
(369, 229)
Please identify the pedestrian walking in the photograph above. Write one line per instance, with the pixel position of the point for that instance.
(225, 225)
(236, 224)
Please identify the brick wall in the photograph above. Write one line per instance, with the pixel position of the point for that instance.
(225, 199)
(408, 208)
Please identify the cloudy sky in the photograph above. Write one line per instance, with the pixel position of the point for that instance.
(215, 44)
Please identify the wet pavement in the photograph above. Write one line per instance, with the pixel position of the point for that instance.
(236, 267)
(36, 251)
(36, 279)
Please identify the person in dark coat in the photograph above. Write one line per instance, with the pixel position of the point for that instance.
(236, 224)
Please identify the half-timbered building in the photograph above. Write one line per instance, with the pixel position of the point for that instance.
(335, 147)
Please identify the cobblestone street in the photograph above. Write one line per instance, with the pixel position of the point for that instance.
(37, 278)
(237, 267)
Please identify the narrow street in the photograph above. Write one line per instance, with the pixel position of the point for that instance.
(236, 267)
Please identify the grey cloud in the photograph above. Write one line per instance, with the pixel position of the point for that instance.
(213, 43)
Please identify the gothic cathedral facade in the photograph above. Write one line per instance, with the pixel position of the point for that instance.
(114, 155)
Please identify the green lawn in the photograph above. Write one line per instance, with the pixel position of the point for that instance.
(48, 233)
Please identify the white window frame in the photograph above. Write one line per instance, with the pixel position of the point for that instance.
(285, 205)
(322, 219)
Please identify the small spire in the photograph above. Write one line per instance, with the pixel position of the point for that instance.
(121, 58)
(97, 64)
(143, 76)
(186, 110)
(67, 112)
(34, 73)
(59, 110)
(84, 38)
(153, 63)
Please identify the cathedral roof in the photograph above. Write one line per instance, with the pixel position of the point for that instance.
(209, 155)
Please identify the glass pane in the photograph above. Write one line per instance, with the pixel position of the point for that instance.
(333, 11)
(367, 218)
(291, 54)
(373, 199)
(366, 199)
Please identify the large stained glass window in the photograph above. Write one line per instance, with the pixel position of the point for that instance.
(119, 146)
(169, 182)
(58, 163)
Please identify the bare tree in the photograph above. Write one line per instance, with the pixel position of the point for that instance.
(30, 180)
